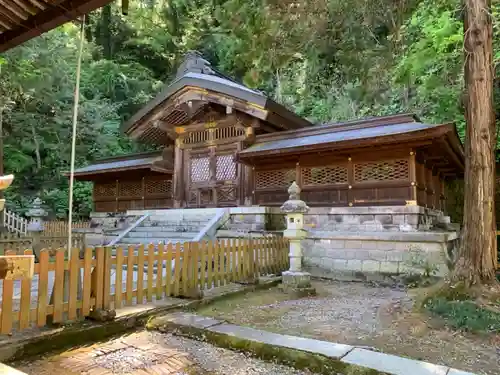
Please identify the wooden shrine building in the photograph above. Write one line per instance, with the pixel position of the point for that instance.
(225, 144)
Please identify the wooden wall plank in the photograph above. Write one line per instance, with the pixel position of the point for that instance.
(140, 275)
(119, 279)
(58, 298)
(25, 306)
(151, 258)
(43, 280)
(86, 287)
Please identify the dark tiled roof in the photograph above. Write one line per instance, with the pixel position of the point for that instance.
(337, 136)
(197, 72)
(127, 162)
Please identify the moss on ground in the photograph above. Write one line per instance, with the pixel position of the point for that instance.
(289, 357)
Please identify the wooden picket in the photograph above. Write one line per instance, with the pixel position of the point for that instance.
(95, 277)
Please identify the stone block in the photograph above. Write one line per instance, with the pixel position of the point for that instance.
(340, 264)
(398, 219)
(386, 245)
(188, 319)
(353, 244)
(389, 267)
(353, 265)
(392, 364)
(396, 256)
(368, 245)
(384, 219)
(377, 255)
(328, 349)
(370, 266)
(458, 372)
(412, 219)
(365, 218)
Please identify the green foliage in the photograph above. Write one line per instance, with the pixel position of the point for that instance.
(465, 315)
(328, 60)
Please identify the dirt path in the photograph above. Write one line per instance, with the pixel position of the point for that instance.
(357, 314)
(150, 353)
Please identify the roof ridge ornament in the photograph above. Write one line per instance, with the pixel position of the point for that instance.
(194, 63)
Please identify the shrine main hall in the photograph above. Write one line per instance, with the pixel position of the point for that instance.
(223, 144)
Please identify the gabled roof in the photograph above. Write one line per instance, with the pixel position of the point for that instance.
(196, 74)
(123, 163)
(21, 20)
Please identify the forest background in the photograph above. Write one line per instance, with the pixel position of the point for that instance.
(328, 60)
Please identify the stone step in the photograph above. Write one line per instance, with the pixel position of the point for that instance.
(166, 229)
(160, 235)
(239, 226)
(173, 218)
(154, 240)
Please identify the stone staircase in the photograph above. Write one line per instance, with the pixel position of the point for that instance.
(169, 226)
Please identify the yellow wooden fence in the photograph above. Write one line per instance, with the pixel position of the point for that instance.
(60, 227)
(159, 271)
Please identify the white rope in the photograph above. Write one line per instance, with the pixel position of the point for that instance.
(73, 138)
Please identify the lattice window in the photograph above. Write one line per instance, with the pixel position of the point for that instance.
(225, 168)
(199, 169)
(329, 175)
(281, 178)
(205, 135)
(105, 190)
(390, 170)
(130, 189)
(228, 132)
(158, 187)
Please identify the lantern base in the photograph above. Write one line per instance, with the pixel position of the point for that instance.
(297, 284)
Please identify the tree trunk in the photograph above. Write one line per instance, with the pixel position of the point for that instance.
(476, 264)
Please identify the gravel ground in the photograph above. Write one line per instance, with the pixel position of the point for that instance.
(379, 318)
(204, 358)
(217, 361)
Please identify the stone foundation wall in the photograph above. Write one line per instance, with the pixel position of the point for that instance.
(368, 219)
(363, 256)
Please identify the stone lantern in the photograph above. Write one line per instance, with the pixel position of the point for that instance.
(35, 227)
(295, 280)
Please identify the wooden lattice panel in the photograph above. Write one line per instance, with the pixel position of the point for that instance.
(328, 175)
(390, 170)
(158, 187)
(106, 190)
(225, 168)
(226, 194)
(105, 206)
(281, 178)
(130, 189)
(201, 136)
(228, 132)
(199, 169)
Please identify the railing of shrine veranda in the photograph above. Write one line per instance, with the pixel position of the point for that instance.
(106, 278)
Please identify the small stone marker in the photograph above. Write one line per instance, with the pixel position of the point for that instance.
(295, 280)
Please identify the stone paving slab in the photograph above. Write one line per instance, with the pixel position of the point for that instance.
(192, 320)
(392, 364)
(346, 354)
(458, 372)
(292, 342)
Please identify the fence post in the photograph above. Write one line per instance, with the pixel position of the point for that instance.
(100, 286)
(193, 271)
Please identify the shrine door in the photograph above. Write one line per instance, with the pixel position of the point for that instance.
(212, 177)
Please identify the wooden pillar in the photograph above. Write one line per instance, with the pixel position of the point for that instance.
(117, 191)
(178, 177)
(350, 181)
(413, 176)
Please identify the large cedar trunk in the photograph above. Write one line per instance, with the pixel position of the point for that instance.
(476, 263)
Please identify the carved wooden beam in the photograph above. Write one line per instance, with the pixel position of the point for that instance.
(17, 267)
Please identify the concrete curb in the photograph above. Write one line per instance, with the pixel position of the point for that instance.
(302, 353)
